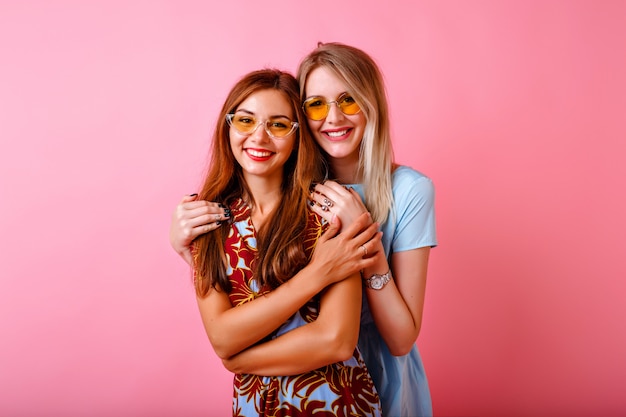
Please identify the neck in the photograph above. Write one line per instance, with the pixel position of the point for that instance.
(265, 196)
(344, 170)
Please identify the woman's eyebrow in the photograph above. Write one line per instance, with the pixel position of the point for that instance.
(273, 116)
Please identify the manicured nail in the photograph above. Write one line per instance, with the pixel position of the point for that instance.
(218, 223)
(226, 212)
(193, 195)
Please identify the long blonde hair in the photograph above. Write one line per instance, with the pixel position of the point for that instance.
(365, 82)
(280, 252)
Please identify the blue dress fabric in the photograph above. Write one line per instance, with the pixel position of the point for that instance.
(401, 380)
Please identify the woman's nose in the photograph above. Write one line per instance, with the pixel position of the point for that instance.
(334, 112)
(260, 134)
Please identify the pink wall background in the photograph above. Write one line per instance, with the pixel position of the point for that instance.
(515, 108)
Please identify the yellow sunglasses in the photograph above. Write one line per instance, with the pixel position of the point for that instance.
(317, 108)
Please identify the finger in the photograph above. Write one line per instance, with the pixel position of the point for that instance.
(189, 197)
(372, 246)
(193, 222)
(336, 187)
(367, 235)
(357, 225)
(319, 209)
(202, 229)
(366, 263)
(191, 205)
(206, 228)
(204, 210)
(333, 229)
(331, 190)
(320, 200)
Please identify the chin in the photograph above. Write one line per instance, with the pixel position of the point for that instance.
(340, 151)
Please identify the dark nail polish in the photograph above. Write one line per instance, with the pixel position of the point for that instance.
(193, 195)
(218, 223)
(226, 212)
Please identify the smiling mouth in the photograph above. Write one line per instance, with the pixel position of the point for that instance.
(337, 133)
(259, 155)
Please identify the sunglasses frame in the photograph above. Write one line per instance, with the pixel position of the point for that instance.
(294, 127)
(328, 103)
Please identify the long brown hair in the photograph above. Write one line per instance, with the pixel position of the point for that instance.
(365, 82)
(281, 254)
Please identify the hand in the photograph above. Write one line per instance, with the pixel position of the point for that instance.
(332, 199)
(191, 219)
(338, 256)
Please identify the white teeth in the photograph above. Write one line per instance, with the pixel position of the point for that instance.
(337, 134)
(258, 154)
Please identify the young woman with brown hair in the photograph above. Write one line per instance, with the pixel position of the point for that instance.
(246, 273)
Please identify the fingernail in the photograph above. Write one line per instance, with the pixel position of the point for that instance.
(226, 212)
(218, 223)
(221, 205)
(311, 203)
(193, 195)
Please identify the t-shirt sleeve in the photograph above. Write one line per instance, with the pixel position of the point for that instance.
(415, 211)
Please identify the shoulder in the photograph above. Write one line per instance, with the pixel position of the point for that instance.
(407, 181)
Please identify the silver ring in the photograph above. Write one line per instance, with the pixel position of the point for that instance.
(328, 202)
(216, 216)
(364, 250)
(324, 208)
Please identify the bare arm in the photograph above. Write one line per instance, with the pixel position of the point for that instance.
(331, 338)
(397, 308)
(334, 259)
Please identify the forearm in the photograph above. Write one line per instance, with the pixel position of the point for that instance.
(394, 321)
(238, 328)
(397, 308)
(301, 350)
(331, 338)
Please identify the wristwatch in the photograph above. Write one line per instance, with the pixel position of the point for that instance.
(377, 282)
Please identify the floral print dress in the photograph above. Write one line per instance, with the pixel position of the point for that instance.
(340, 389)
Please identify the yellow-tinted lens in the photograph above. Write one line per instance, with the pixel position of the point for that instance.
(317, 108)
(347, 105)
(279, 127)
(244, 123)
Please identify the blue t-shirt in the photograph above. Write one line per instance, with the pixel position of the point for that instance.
(411, 222)
(401, 380)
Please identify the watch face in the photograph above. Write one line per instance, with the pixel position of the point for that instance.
(377, 283)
